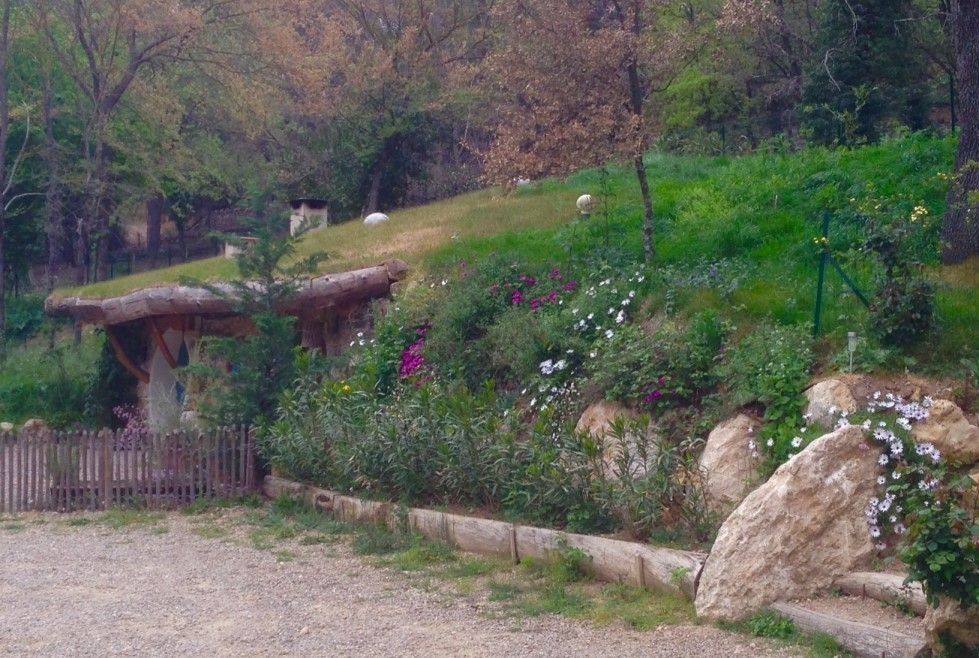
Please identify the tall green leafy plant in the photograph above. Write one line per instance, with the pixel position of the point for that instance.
(256, 368)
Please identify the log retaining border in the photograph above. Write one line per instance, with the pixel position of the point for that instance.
(611, 560)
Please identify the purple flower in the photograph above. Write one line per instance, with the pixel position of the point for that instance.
(652, 396)
(555, 273)
(534, 304)
(527, 280)
(571, 286)
(412, 359)
(516, 298)
(550, 297)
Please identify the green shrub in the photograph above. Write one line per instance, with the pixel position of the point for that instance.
(25, 316)
(771, 624)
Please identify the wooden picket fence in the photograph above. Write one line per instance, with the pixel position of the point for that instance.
(67, 471)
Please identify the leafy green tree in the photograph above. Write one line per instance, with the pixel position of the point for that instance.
(259, 365)
(865, 70)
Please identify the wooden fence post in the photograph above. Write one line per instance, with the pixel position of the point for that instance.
(106, 469)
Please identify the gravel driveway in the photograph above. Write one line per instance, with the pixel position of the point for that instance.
(94, 591)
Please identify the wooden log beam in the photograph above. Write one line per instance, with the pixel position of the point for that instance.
(860, 639)
(312, 295)
(161, 344)
(884, 587)
(123, 358)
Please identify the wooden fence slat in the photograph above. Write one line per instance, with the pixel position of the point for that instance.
(32, 450)
(3, 472)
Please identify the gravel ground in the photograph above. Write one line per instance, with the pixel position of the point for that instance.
(867, 611)
(95, 591)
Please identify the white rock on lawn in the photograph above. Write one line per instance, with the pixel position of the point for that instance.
(793, 535)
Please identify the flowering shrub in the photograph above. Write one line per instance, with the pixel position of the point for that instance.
(902, 308)
(770, 367)
(923, 507)
(134, 426)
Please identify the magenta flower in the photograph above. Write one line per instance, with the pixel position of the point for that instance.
(534, 304)
(412, 359)
(516, 298)
(550, 297)
(652, 396)
(528, 280)
(555, 273)
(570, 286)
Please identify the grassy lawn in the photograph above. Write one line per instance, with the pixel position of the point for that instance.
(751, 218)
(411, 235)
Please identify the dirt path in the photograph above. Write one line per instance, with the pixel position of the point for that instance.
(167, 591)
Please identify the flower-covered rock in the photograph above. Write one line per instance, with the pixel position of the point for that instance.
(827, 399)
(797, 532)
(948, 430)
(729, 461)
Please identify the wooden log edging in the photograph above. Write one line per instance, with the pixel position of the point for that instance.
(884, 587)
(611, 560)
(861, 639)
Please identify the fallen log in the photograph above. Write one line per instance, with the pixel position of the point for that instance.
(860, 639)
(610, 560)
(884, 587)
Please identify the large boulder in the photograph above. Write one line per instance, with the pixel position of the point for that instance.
(729, 463)
(950, 431)
(797, 532)
(827, 399)
(953, 621)
(597, 420)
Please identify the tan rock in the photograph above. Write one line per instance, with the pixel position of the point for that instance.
(34, 425)
(949, 430)
(728, 464)
(826, 399)
(597, 420)
(6, 427)
(962, 624)
(797, 532)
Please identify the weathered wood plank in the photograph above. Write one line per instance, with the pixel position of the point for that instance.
(860, 639)
(885, 587)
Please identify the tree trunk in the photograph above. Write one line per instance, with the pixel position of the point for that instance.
(154, 220)
(960, 228)
(648, 249)
(53, 227)
(374, 193)
(4, 174)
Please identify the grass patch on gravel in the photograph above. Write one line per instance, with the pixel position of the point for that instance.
(770, 624)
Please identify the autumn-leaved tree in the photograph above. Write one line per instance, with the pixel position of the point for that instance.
(107, 47)
(574, 81)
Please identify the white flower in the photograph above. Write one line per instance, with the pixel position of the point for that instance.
(593, 354)
(620, 318)
(881, 480)
(896, 475)
(609, 333)
(546, 367)
(561, 365)
(796, 442)
(591, 315)
(874, 531)
(632, 293)
(883, 460)
(533, 402)
(360, 334)
(770, 443)
(574, 311)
